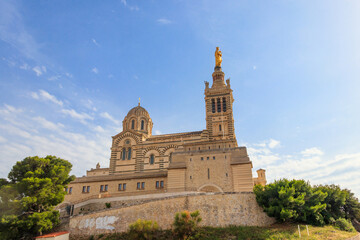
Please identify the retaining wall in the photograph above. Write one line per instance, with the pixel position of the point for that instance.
(216, 209)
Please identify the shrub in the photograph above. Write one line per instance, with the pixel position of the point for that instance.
(292, 200)
(143, 229)
(345, 225)
(186, 224)
(108, 205)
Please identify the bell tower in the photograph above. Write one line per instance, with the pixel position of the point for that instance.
(219, 101)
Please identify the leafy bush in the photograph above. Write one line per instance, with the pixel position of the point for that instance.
(143, 229)
(108, 205)
(344, 224)
(186, 224)
(293, 200)
(298, 201)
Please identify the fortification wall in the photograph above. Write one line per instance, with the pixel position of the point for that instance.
(216, 209)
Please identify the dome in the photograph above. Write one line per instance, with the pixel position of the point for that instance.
(138, 111)
(138, 119)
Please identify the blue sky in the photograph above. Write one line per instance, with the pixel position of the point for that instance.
(71, 70)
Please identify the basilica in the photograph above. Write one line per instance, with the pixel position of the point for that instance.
(141, 163)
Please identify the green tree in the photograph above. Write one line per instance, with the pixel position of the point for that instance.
(186, 224)
(335, 202)
(36, 186)
(352, 206)
(292, 200)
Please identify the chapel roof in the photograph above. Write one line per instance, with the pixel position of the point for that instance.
(138, 111)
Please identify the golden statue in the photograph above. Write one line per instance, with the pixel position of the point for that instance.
(218, 58)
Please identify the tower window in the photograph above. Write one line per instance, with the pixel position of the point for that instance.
(213, 105)
(170, 157)
(132, 124)
(218, 105)
(208, 173)
(142, 124)
(152, 159)
(224, 104)
(220, 127)
(129, 153)
(123, 154)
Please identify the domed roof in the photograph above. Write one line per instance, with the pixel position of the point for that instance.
(138, 111)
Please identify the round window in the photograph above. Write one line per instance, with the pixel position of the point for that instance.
(127, 142)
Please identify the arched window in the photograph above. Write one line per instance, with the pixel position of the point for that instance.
(213, 105)
(152, 159)
(123, 154)
(220, 127)
(132, 124)
(218, 105)
(129, 153)
(224, 104)
(170, 157)
(142, 124)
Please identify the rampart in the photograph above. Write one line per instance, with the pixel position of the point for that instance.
(216, 209)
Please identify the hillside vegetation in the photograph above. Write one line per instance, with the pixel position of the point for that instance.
(278, 232)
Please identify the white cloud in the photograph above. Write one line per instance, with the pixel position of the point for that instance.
(106, 115)
(11, 63)
(54, 78)
(39, 70)
(10, 109)
(69, 75)
(312, 151)
(274, 143)
(2, 139)
(47, 124)
(99, 129)
(34, 95)
(79, 116)
(13, 31)
(25, 66)
(95, 70)
(30, 137)
(254, 67)
(132, 8)
(163, 21)
(157, 132)
(44, 95)
(341, 169)
(95, 42)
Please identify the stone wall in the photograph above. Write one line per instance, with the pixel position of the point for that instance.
(216, 209)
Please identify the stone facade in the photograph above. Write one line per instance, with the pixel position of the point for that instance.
(216, 209)
(204, 161)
